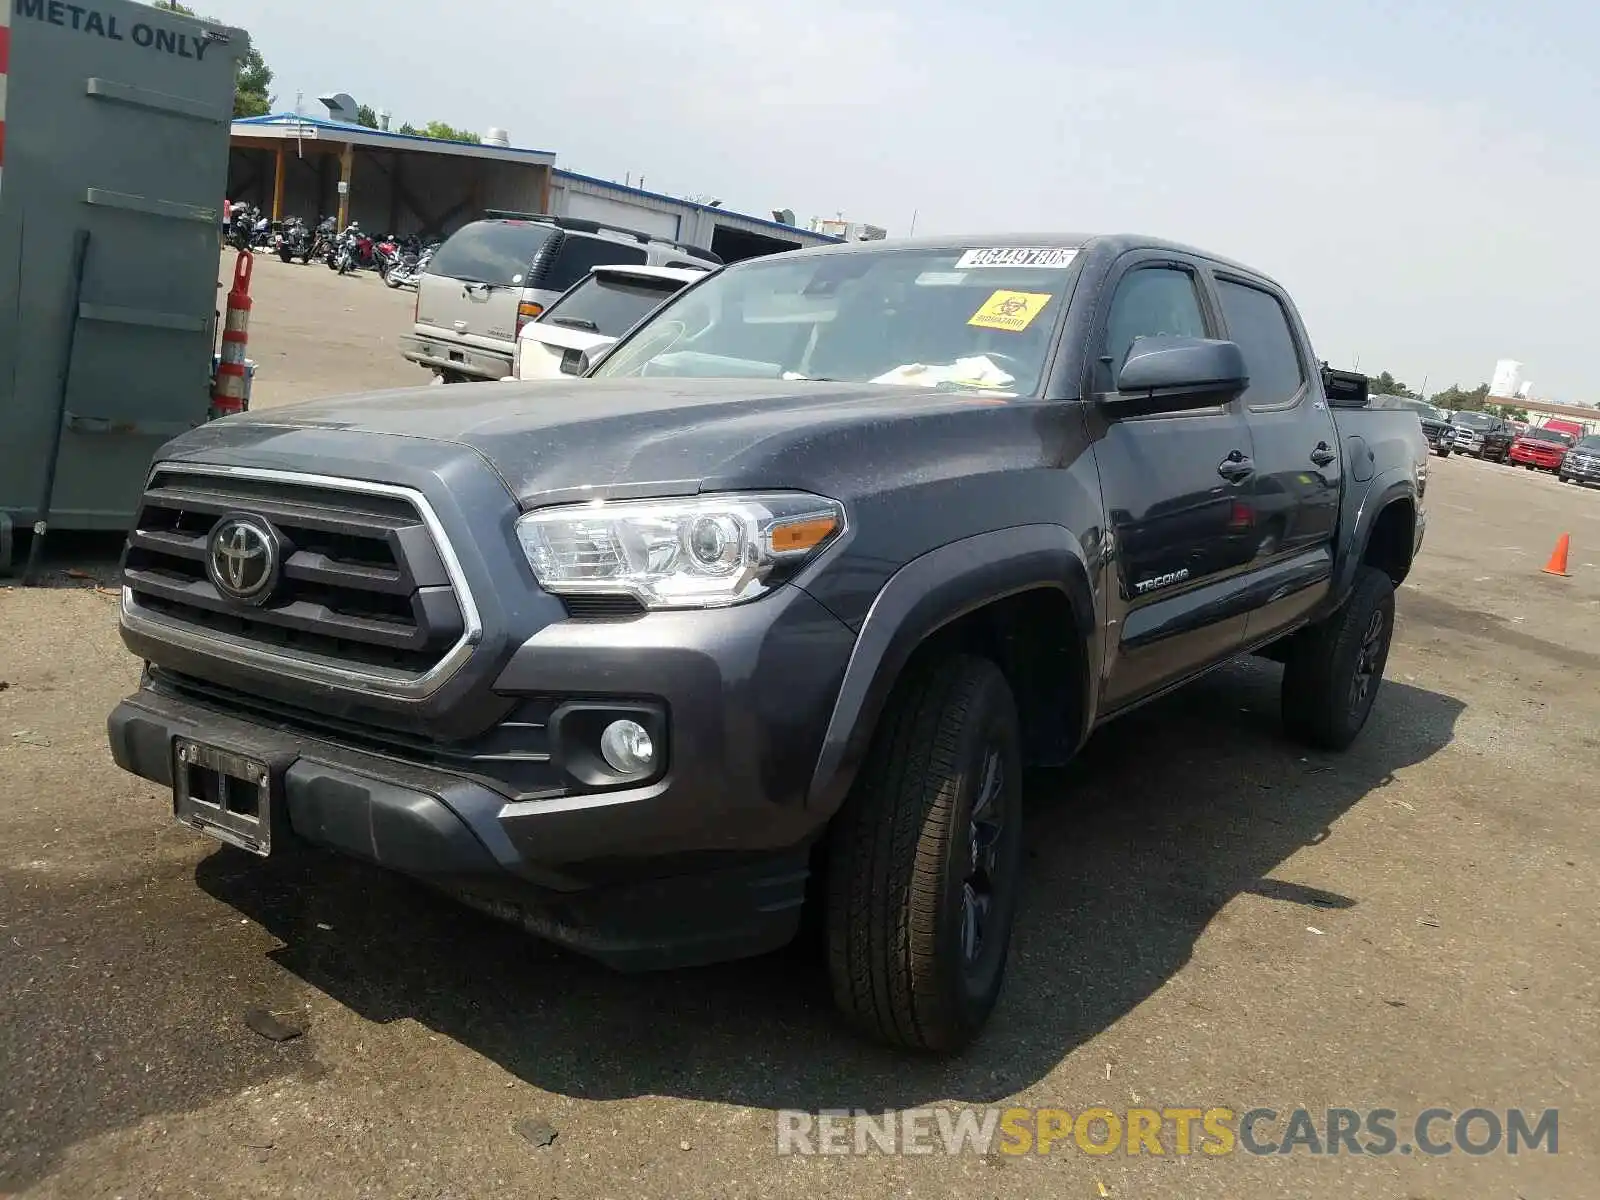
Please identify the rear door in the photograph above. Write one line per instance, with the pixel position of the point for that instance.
(1176, 489)
(1298, 466)
(473, 283)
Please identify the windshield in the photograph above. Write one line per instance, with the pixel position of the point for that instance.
(1476, 420)
(608, 305)
(960, 318)
(1589, 445)
(496, 252)
(1546, 435)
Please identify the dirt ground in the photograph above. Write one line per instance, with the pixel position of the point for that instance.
(1213, 917)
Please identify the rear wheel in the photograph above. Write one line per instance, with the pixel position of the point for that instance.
(1333, 670)
(925, 858)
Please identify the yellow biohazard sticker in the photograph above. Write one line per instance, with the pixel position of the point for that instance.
(1011, 311)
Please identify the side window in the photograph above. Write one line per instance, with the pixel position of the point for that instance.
(578, 254)
(1257, 322)
(1150, 302)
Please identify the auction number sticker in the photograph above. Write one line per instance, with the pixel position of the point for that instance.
(1045, 257)
(1011, 311)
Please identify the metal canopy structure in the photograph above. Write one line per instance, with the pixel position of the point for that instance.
(289, 164)
(292, 165)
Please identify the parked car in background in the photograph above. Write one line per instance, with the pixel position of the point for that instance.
(1540, 449)
(1481, 435)
(492, 277)
(592, 314)
(1582, 464)
(1436, 427)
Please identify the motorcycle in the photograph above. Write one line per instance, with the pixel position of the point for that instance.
(409, 270)
(385, 255)
(241, 224)
(324, 244)
(293, 241)
(355, 250)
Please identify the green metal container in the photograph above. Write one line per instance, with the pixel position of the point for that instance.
(116, 122)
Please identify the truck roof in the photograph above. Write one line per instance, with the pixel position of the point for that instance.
(1113, 243)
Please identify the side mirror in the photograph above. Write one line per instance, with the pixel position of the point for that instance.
(1171, 374)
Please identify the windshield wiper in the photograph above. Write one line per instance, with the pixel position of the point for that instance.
(576, 323)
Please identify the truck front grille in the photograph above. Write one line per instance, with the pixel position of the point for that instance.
(359, 582)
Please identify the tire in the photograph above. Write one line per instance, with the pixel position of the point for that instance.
(286, 255)
(1332, 674)
(917, 920)
(392, 278)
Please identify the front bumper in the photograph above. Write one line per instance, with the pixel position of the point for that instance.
(705, 862)
(445, 355)
(1544, 462)
(1586, 470)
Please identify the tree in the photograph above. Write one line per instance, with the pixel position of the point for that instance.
(1457, 399)
(252, 76)
(365, 116)
(1387, 385)
(448, 133)
(410, 130)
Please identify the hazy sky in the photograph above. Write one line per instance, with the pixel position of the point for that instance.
(1420, 175)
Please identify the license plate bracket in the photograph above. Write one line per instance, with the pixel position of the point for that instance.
(224, 794)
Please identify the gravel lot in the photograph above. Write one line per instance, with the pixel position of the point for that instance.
(1212, 918)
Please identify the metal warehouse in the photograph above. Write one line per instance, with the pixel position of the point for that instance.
(292, 165)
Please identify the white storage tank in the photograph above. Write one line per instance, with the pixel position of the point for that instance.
(1507, 378)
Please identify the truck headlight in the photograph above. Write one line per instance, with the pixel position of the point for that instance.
(698, 552)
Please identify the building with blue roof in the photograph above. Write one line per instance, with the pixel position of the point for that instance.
(289, 164)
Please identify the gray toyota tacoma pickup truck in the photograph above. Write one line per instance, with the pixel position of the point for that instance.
(772, 608)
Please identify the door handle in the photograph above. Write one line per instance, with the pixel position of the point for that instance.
(1236, 467)
(1322, 456)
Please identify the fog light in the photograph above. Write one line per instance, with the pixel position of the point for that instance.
(627, 748)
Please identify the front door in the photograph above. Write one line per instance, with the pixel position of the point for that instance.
(1177, 490)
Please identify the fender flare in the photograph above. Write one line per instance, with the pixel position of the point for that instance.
(1385, 488)
(923, 597)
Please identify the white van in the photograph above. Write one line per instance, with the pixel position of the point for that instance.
(594, 313)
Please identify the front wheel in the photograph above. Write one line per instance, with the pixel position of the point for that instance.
(925, 858)
(1333, 669)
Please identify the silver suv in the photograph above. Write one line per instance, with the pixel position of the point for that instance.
(492, 277)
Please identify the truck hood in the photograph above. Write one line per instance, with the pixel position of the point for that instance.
(553, 440)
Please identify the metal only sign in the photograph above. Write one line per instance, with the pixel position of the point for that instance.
(93, 22)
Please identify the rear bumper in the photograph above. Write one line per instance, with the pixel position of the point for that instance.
(444, 355)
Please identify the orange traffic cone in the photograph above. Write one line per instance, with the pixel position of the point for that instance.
(1558, 557)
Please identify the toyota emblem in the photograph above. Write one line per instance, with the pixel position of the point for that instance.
(242, 558)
